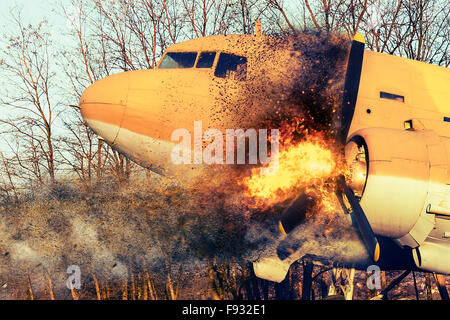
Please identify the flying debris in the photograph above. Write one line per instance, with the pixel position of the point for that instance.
(383, 152)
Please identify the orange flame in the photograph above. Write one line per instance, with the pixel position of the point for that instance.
(308, 166)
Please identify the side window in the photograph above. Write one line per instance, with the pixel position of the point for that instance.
(391, 96)
(206, 60)
(174, 60)
(231, 67)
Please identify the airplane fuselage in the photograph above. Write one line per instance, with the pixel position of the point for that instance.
(400, 128)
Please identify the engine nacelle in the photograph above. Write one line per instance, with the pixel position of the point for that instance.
(400, 176)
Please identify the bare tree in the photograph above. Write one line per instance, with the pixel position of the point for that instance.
(416, 29)
(28, 73)
(8, 179)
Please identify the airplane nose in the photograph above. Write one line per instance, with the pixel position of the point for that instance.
(103, 105)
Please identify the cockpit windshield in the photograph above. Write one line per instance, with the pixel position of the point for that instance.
(173, 60)
(231, 67)
(206, 60)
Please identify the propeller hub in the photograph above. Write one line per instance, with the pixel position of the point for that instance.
(356, 158)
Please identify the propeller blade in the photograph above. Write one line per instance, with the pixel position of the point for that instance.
(367, 234)
(295, 213)
(352, 78)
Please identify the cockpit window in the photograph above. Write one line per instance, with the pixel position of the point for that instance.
(231, 67)
(206, 60)
(174, 60)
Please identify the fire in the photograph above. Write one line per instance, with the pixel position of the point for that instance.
(307, 166)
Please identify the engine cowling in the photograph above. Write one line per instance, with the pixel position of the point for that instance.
(399, 177)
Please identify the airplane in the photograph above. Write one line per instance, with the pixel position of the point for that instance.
(393, 130)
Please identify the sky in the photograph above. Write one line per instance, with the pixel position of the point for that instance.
(35, 10)
(32, 11)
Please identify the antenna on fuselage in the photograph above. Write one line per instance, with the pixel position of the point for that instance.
(258, 31)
